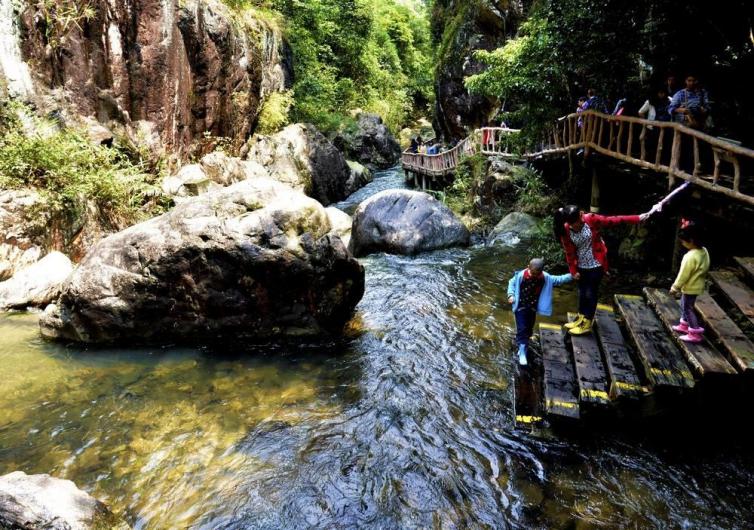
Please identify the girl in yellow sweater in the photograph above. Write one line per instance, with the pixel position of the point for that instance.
(691, 281)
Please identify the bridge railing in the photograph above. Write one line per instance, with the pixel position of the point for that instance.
(488, 141)
(684, 153)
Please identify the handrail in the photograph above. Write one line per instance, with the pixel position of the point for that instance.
(666, 147)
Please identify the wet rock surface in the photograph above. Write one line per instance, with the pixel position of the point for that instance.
(405, 222)
(513, 229)
(255, 260)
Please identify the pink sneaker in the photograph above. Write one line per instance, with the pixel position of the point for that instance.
(694, 335)
(682, 327)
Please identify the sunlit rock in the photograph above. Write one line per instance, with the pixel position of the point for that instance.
(254, 260)
(36, 285)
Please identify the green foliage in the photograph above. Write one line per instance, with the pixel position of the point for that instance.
(68, 171)
(544, 245)
(533, 195)
(274, 113)
(373, 55)
(61, 16)
(459, 196)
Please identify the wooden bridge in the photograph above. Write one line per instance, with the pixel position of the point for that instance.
(716, 164)
(634, 365)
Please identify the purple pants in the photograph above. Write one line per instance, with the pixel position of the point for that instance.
(687, 310)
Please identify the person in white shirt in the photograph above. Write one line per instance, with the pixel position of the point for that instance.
(656, 107)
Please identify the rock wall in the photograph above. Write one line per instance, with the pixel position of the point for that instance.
(460, 28)
(170, 70)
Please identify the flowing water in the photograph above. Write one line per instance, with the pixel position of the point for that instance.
(406, 424)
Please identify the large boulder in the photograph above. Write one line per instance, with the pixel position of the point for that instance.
(405, 222)
(340, 224)
(41, 502)
(303, 158)
(513, 228)
(21, 241)
(255, 260)
(371, 143)
(37, 285)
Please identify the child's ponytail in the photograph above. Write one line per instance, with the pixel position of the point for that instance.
(561, 216)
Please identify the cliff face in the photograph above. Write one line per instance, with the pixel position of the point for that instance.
(461, 27)
(171, 71)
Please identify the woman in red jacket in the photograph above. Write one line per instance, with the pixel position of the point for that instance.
(586, 254)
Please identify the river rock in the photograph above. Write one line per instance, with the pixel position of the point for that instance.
(371, 143)
(41, 502)
(189, 181)
(37, 285)
(226, 170)
(255, 260)
(513, 228)
(340, 224)
(360, 177)
(405, 222)
(303, 158)
(20, 234)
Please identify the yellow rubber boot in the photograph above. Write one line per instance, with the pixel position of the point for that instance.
(583, 328)
(577, 322)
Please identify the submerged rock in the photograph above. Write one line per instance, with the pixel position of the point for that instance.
(254, 260)
(513, 228)
(37, 285)
(303, 158)
(371, 143)
(41, 502)
(405, 222)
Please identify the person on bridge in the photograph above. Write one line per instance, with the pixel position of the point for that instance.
(690, 281)
(586, 253)
(530, 292)
(691, 105)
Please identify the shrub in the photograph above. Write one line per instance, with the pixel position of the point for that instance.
(274, 113)
(69, 171)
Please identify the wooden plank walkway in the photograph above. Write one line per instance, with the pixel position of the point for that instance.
(560, 385)
(625, 381)
(747, 265)
(603, 376)
(734, 342)
(591, 374)
(662, 360)
(736, 291)
(703, 357)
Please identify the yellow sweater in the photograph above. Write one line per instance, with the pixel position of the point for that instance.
(694, 267)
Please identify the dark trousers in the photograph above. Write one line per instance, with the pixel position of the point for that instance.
(589, 288)
(525, 318)
(687, 310)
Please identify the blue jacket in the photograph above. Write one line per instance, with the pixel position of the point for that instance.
(544, 306)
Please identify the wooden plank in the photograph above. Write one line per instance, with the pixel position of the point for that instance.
(591, 375)
(662, 360)
(736, 344)
(527, 391)
(703, 356)
(736, 291)
(747, 264)
(624, 379)
(559, 378)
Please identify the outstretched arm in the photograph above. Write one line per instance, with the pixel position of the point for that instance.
(561, 279)
(602, 221)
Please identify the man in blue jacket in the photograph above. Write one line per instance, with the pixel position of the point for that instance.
(530, 292)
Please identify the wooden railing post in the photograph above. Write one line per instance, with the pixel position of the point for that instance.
(675, 157)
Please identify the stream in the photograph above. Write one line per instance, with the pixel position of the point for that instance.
(406, 424)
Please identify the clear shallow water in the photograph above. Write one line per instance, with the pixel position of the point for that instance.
(406, 424)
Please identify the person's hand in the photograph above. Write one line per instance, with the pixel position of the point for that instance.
(681, 110)
(576, 276)
(673, 291)
(510, 300)
(644, 216)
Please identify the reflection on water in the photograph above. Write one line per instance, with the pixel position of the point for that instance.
(406, 425)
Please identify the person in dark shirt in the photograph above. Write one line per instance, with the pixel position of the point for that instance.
(530, 292)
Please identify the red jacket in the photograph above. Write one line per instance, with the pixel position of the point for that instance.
(599, 249)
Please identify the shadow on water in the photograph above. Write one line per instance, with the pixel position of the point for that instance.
(405, 425)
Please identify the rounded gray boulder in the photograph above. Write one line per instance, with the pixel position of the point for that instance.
(405, 222)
